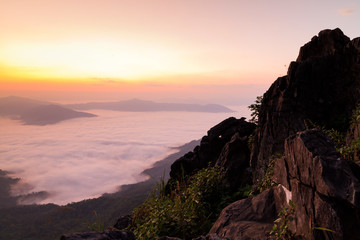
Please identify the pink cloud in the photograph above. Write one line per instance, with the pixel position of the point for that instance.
(345, 11)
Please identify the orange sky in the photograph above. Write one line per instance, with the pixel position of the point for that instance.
(205, 49)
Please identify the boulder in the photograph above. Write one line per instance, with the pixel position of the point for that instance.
(123, 222)
(234, 160)
(211, 146)
(251, 218)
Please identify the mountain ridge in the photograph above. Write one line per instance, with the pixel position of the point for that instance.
(35, 112)
(138, 105)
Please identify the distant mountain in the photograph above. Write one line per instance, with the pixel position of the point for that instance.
(14, 106)
(137, 105)
(50, 114)
(33, 112)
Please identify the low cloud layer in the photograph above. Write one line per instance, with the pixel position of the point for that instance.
(84, 158)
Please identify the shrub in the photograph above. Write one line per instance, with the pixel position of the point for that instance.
(336, 136)
(280, 230)
(187, 212)
(266, 182)
(255, 109)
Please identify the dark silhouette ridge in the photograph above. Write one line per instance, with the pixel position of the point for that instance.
(321, 86)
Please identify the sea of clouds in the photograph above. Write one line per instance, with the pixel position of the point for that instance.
(86, 157)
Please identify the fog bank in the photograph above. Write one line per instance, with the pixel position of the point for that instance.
(84, 158)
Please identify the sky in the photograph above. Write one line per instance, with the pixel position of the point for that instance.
(223, 51)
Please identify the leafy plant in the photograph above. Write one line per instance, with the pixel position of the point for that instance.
(311, 228)
(336, 136)
(266, 182)
(350, 151)
(280, 230)
(255, 109)
(250, 140)
(97, 225)
(355, 118)
(188, 211)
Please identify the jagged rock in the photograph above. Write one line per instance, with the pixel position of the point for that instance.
(200, 157)
(322, 185)
(328, 42)
(234, 159)
(227, 128)
(321, 86)
(211, 146)
(106, 235)
(251, 218)
(123, 222)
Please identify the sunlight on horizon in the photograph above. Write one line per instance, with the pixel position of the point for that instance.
(129, 61)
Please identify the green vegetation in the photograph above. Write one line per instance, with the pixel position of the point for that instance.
(266, 182)
(97, 225)
(44, 222)
(255, 109)
(355, 118)
(326, 230)
(336, 136)
(349, 151)
(280, 230)
(188, 211)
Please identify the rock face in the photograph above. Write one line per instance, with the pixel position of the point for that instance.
(251, 218)
(322, 184)
(225, 145)
(234, 160)
(321, 86)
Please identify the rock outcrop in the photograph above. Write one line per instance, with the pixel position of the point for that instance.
(319, 182)
(322, 86)
(322, 184)
(224, 145)
(251, 218)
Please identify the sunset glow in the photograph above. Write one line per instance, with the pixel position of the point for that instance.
(91, 59)
(149, 46)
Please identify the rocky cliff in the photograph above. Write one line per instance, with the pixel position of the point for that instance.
(314, 190)
(322, 86)
(321, 89)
